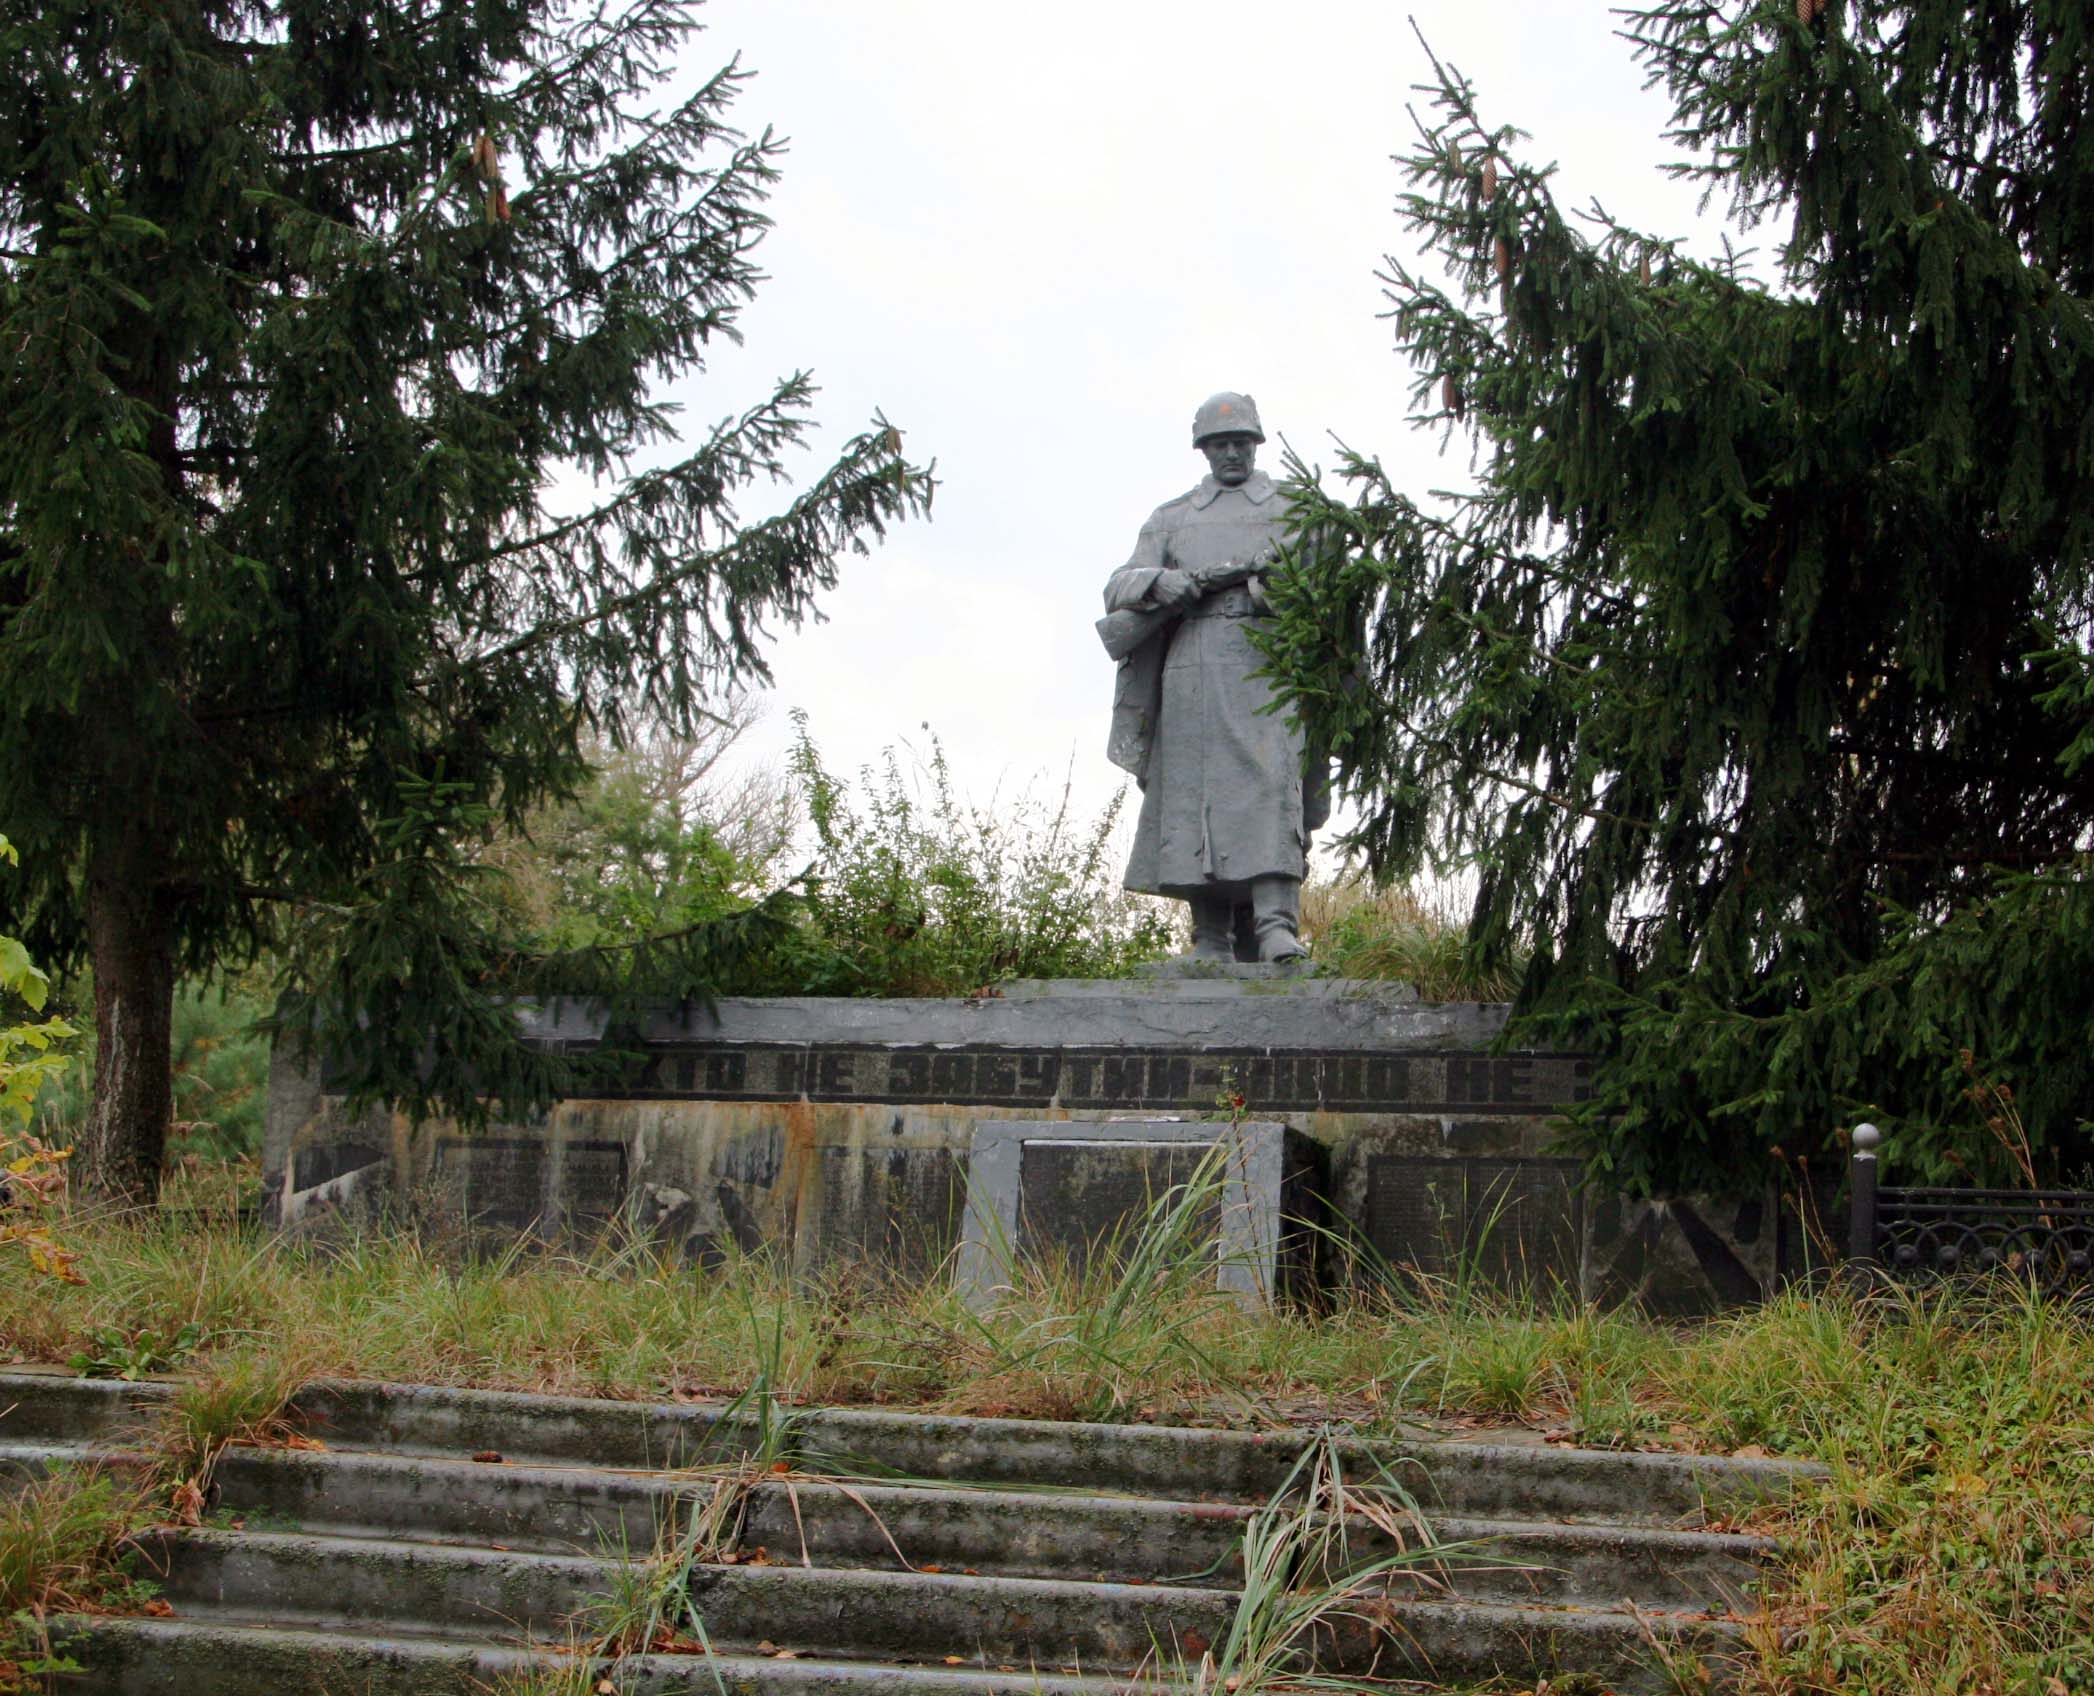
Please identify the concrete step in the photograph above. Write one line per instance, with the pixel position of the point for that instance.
(26, 1462)
(59, 1407)
(1481, 1480)
(372, 1587)
(359, 1583)
(583, 1510)
(898, 1541)
(588, 1511)
(222, 1657)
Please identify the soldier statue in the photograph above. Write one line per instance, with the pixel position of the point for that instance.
(1228, 799)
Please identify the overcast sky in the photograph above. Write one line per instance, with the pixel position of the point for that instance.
(1037, 237)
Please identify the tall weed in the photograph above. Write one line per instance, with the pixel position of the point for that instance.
(917, 892)
(1091, 1336)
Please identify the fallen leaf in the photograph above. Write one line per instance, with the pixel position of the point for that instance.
(159, 1608)
(786, 1655)
(492, 1457)
(188, 1502)
(1752, 1451)
(956, 1660)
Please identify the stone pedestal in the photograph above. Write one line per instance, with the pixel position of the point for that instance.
(827, 1130)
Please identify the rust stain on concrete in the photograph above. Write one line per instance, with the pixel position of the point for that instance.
(800, 1171)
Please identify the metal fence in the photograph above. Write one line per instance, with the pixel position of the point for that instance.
(2046, 1236)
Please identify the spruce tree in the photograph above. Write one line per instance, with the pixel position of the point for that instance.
(305, 307)
(1751, 677)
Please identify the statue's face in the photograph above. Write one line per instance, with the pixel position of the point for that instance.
(1230, 458)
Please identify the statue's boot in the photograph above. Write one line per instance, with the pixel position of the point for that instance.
(1213, 927)
(1276, 917)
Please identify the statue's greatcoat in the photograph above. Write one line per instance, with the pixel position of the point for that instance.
(1221, 778)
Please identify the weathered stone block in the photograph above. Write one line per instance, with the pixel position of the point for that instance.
(532, 1185)
(1075, 1189)
(1515, 1224)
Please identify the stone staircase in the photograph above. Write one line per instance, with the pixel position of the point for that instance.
(444, 1539)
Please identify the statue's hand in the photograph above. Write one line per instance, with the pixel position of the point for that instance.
(1174, 588)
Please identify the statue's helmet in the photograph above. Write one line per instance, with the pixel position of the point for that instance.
(1226, 414)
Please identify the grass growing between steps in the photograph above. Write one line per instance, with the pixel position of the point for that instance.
(1306, 1578)
(1303, 1582)
(68, 1540)
(63, 1550)
(1952, 1548)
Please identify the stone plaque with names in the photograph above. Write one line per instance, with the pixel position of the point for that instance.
(1515, 1223)
(495, 1183)
(592, 1185)
(1078, 1198)
(506, 1183)
(897, 1208)
(1062, 1185)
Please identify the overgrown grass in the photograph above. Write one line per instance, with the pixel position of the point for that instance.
(62, 1550)
(50, 1535)
(67, 1541)
(1357, 931)
(1951, 1547)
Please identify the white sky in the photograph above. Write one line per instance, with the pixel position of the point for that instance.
(1037, 237)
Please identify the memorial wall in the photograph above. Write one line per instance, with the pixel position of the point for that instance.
(835, 1129)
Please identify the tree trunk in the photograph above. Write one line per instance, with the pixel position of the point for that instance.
(130, 942)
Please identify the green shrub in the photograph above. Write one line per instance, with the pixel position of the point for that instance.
(661, 836)
(911, 891)
(915, 892)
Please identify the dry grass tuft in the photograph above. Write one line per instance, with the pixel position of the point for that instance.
(1358, 931)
